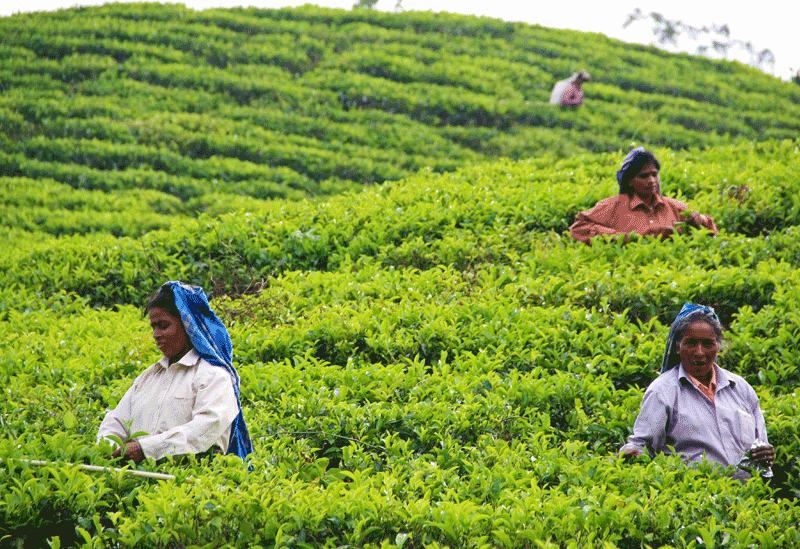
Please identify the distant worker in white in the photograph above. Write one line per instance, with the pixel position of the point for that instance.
(569, 91)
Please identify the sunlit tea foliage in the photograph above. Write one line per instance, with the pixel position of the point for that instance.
(304, 102)
(427, 358)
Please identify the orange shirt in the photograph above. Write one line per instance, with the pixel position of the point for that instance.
(623, 214)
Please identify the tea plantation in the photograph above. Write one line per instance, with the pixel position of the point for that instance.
(379, 204)
(306, 102)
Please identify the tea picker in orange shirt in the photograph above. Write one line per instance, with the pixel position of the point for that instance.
(639, 207)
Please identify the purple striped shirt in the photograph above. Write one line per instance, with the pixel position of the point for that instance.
(676, 413)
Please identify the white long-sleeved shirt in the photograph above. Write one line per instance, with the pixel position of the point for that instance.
(186, 408)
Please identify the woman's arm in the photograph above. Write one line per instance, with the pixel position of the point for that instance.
(703, 222)
(585, 228)
(650, 428)
(116, 421)
(765, 453)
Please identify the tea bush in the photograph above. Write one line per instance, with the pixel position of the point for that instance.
(307, 102)
(432, 362)
(427, 358)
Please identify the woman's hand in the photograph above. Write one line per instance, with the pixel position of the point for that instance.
(630, 453)
(131, 450)
(763, 456)
(698, 220)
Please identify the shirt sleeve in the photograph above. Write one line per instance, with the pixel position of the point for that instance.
(650, 428)
(116, 421)
(215, 407)
(761, 426)
(593, 222)
(758, 415)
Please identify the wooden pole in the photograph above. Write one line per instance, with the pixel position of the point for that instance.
(100, 469)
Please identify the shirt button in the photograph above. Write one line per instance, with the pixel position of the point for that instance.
(651, 221)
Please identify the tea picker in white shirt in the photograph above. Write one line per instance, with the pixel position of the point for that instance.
(187, 402)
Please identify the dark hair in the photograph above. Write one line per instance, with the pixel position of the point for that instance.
(631, 168)
(164, 299)
(691, 318)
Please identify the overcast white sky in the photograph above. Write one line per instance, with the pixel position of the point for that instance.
(767, 24)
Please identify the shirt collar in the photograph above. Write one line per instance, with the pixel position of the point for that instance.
(189, 359)
(720, 376)
(723, 378)
(712, 384)
(636, 202)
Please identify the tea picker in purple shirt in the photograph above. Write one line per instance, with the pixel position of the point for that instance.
(697, 408)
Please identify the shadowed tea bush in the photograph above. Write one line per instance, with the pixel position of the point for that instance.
(433, 362)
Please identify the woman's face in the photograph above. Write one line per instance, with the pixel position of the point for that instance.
(646, 183)
(698, 348)
(168, 333)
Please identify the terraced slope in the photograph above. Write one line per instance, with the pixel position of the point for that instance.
(429, 362)
(306, 102)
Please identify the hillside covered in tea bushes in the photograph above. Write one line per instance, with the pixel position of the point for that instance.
(305, 102)
(431, 363)
(379, 205)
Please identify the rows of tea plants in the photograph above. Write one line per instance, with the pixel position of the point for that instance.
(304, 102)
(487, 217)
(429, 363)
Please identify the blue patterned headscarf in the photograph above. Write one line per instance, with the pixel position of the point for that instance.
(212, 342)
(696, 312)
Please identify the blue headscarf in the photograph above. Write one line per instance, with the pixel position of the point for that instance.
(212, 342)
(634, 161)
(696, 312)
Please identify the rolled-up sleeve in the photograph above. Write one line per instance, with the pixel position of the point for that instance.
(116, 421)
(650, 427)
